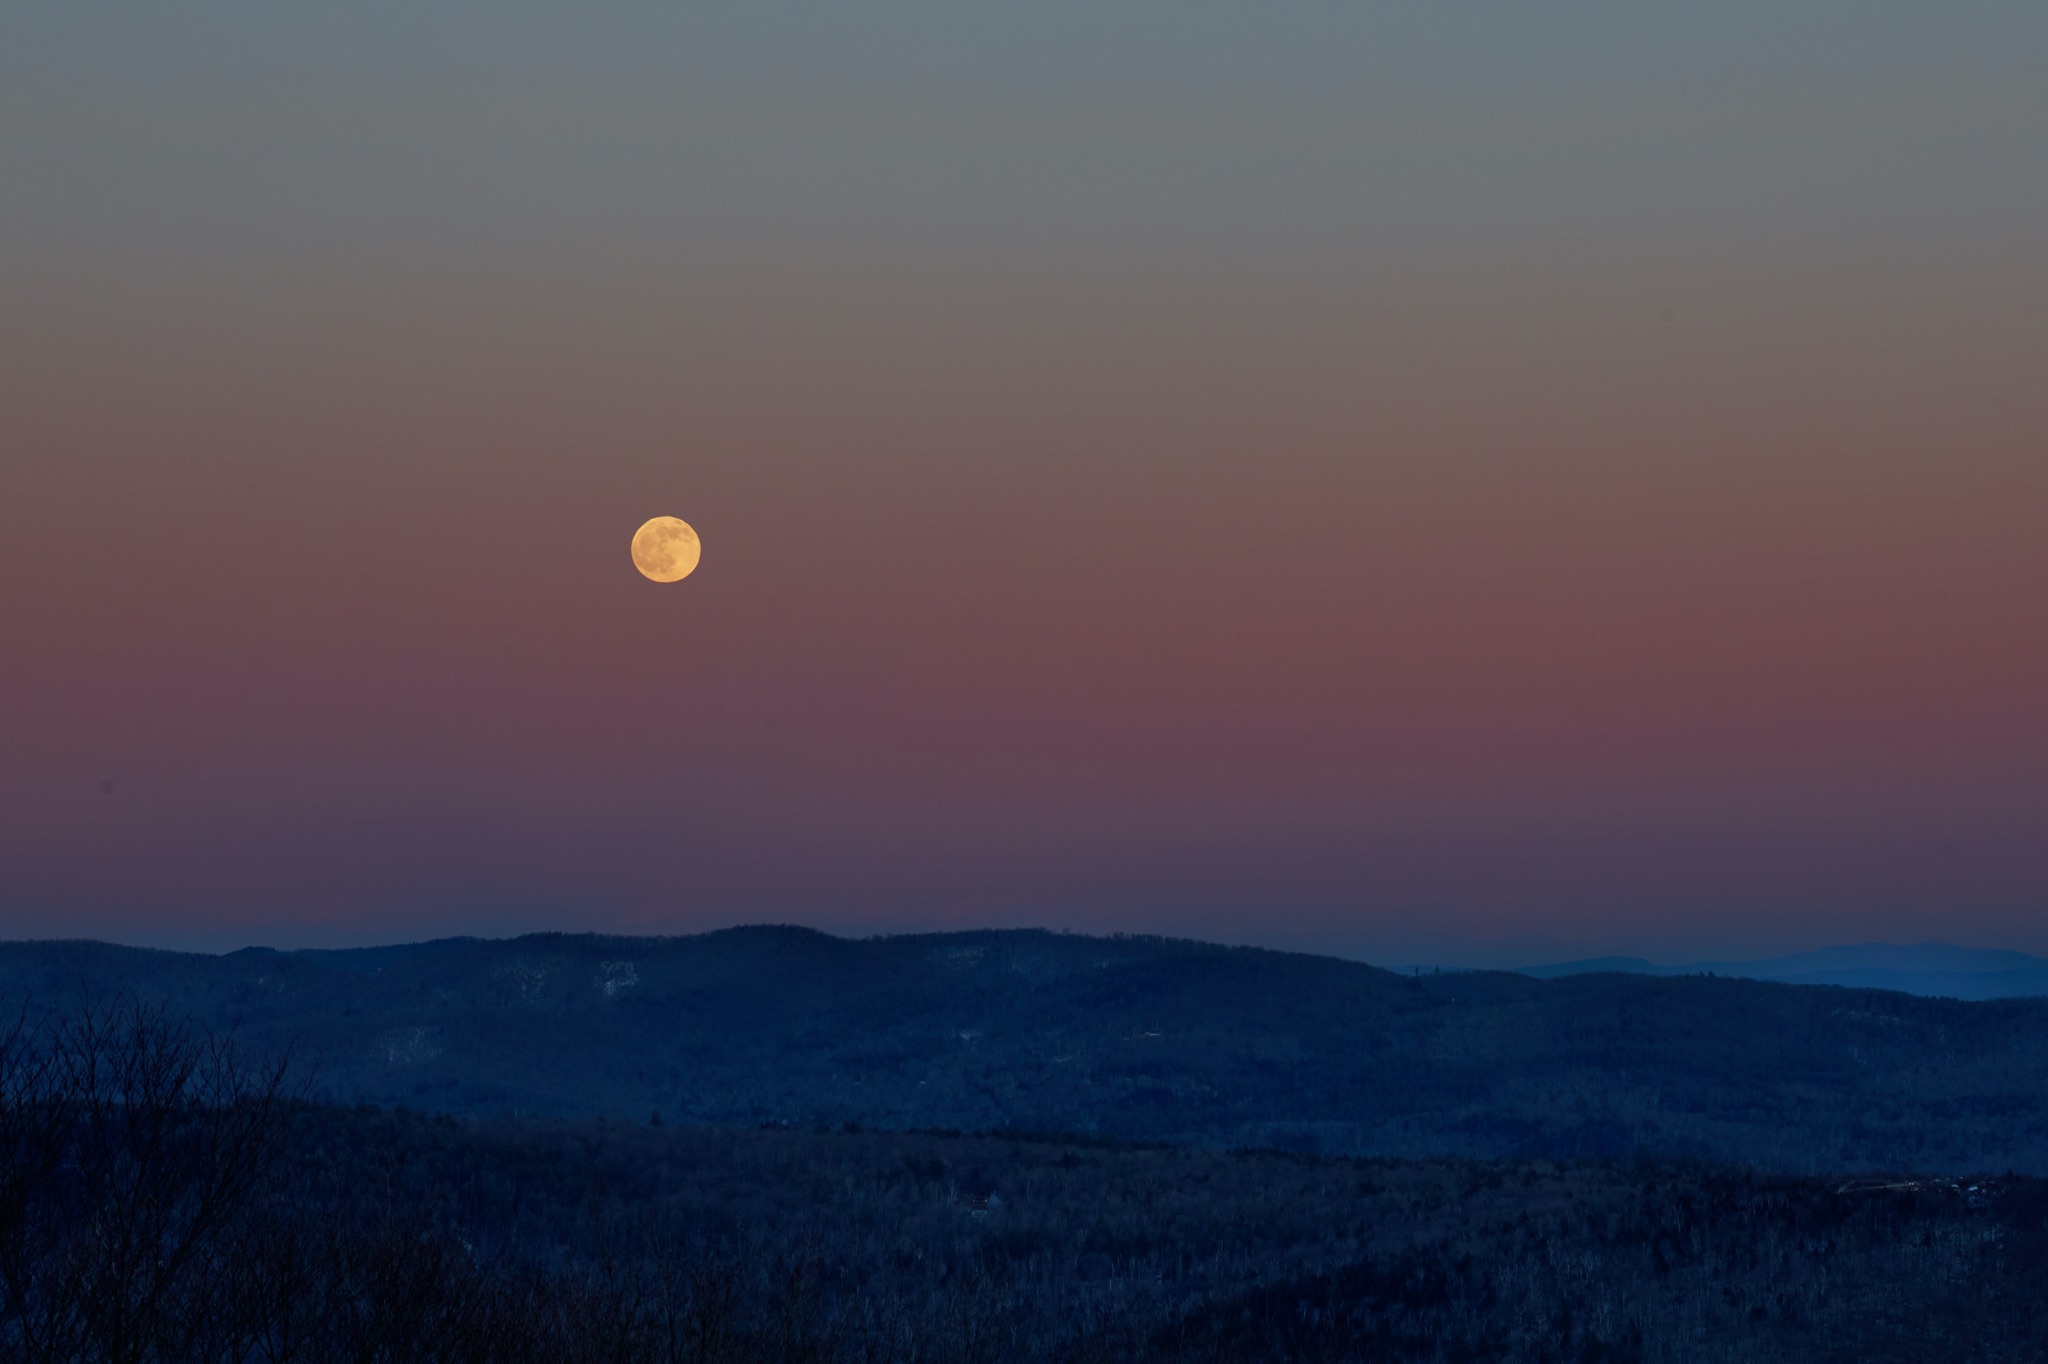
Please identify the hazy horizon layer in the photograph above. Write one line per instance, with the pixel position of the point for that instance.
(1927, 968)
(1412, 482)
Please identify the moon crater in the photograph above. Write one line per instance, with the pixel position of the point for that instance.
(666, 549)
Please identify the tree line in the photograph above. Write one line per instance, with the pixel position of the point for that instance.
(166, 1194)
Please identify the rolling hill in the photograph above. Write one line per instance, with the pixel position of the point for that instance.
(1137, 1038)
(1929, 968)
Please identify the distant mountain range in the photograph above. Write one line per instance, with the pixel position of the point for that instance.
(1929, 968)
(1136, 1038)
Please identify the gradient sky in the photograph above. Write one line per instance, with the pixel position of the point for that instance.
(1473, 483)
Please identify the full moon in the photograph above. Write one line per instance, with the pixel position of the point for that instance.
(666, 549)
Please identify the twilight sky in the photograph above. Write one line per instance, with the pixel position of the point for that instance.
(1472, 483)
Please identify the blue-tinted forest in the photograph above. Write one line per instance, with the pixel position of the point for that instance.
(186, 1176)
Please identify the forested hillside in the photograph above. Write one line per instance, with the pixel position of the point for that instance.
(165, 1201)
(1141, 1039)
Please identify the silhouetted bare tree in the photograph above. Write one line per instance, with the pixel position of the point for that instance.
(130, 1145)
(162, 1202)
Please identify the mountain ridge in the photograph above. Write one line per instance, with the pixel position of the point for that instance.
(1139, 1038)
(1936, 969)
